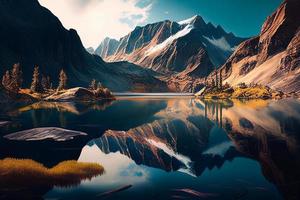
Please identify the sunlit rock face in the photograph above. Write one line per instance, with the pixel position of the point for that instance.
(192, 46)
(272, 58)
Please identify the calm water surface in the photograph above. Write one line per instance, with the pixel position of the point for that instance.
(166, 148)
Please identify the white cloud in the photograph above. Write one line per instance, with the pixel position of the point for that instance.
(96, 19)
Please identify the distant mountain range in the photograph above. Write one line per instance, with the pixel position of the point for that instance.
(191, 46)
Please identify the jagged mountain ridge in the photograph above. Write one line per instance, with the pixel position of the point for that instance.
(191, 46)
(273, 57)
(32, 35)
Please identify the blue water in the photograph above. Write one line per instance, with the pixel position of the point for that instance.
(170, 148)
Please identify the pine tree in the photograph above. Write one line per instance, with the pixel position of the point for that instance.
(35, 84)
(93, 85)
(99, 86)
(49, 82)
(217, 81)
(62, 80)
(6, 80)
(213, 83)
(45, 83)
(220, 80)
(16, 78)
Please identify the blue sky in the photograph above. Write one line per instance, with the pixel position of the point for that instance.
(242, 17)
(96, 19)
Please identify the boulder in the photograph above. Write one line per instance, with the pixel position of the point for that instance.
(45, 133)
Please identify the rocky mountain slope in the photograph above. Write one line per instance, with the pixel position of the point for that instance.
(273, 57)
(192, 47)
(31, 35)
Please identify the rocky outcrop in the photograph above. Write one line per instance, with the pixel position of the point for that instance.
(9, 97)
(46, 133)
(192, 47)
(80, 94)
(31, 35)
(272, 58)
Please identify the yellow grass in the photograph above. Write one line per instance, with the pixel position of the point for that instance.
(257, 92)
(36, 95)
(251, 92)
(26, 172)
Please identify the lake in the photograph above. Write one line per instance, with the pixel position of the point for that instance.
(164, 148)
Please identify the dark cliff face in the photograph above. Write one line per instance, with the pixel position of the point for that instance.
(31, 35)
(171, 47)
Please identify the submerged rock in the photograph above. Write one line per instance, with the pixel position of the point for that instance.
(47, 133)
(4, 123)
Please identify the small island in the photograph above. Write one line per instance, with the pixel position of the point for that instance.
(42, 89)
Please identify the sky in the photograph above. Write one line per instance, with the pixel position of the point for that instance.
(96, 19)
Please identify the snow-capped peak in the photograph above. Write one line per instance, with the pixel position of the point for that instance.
(189, 20)
(169, 40)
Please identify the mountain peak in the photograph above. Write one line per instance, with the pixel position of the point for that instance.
(196, 19)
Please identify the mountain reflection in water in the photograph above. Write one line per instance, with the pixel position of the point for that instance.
(173, 148)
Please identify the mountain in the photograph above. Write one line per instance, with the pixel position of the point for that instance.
(273, 57)
(31, 35)
(192, 46)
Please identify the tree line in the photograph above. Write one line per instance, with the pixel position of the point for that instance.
(12, 80)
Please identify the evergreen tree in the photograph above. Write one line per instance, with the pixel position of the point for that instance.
(220, 80)
(44, 83)
(217, 81)
(213, 83)
(99, 86)
(93, 85)
(35, 84)
(62, 81)
(49, 82)
(16, 78)
(6, 80)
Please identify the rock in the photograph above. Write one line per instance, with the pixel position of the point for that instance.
(272, 58)
(79, 94)
(279, 29)
(7, 97)
(47, 133)
(4, 123)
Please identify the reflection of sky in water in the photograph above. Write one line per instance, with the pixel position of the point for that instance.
(235, 177)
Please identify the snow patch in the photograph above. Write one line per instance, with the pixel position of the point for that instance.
(220, 43)
(187, 21)
(169, 40)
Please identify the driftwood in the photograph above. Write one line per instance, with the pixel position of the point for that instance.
(192, 193)
(111, 192)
